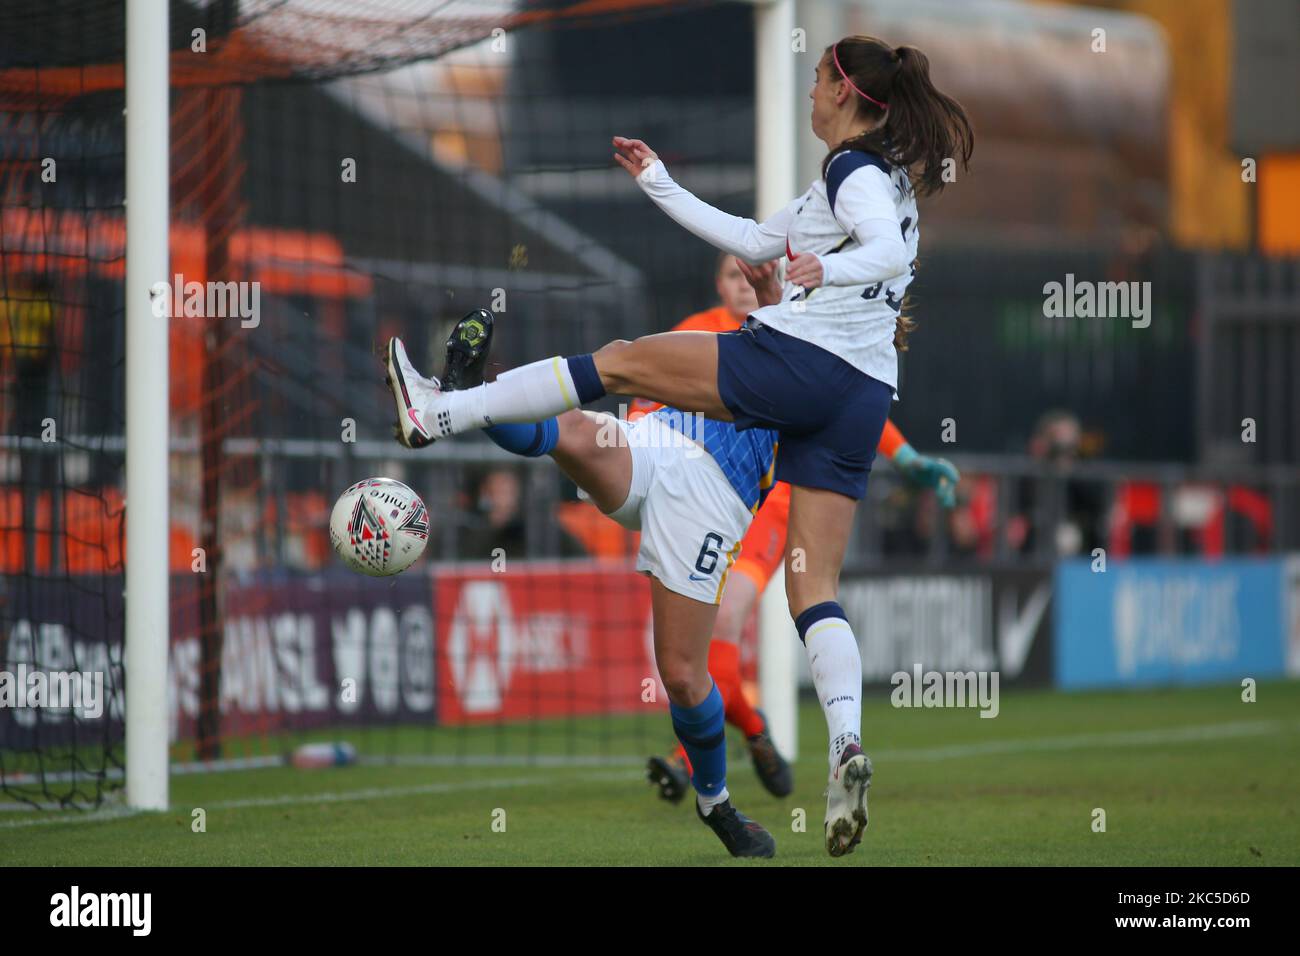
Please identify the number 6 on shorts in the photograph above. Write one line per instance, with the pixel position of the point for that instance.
(712, 541)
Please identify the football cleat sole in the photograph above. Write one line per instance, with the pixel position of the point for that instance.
(468, 347)
(773, 770)
(844, 832)
(673, 782)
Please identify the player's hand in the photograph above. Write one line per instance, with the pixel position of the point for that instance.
(762, 278)
(805, 270)
(633, 155)
(925, 472)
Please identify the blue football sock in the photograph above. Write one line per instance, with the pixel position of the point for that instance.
(701, 729)
(532, 440)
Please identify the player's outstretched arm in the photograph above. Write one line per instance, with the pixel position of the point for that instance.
(743, 238)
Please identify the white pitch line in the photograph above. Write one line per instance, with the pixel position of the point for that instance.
(466, 761)
(90, 816)
(547, 761)
(341, 796)
(1119, 738)
(1123, 738)
(381, 793)
(395, 760)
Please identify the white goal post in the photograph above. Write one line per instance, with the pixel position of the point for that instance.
(776, 135)
(147, 218)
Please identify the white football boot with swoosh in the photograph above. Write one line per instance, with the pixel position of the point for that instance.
(413, 394)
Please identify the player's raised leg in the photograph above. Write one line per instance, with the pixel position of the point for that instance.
(673, 368)
(589, 450)
(815, 546)
(588, 447)
(676, 368)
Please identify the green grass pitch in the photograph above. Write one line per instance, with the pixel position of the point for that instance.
(1185, 777)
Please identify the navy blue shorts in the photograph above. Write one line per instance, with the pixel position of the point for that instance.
(829, 414)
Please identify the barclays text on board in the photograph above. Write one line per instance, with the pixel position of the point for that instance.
(1171, 621)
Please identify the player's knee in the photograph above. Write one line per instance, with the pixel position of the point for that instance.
(612, 364)
(573, 427)
(611, 349)
(685, 681)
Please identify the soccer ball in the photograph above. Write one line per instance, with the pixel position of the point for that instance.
(379, 527)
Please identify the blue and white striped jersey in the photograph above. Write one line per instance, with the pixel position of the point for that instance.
(747, 458)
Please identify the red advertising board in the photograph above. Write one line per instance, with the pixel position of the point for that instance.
(542, 640)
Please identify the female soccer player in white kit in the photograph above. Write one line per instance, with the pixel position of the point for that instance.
(819, 367)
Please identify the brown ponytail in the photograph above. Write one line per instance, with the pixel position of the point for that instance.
(923, 127)
(904, 326)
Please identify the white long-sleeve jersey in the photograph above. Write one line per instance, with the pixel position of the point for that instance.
(860, 221)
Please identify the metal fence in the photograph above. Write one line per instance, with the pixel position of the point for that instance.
(1224, 367)
(1011, 510)
(1248, 360)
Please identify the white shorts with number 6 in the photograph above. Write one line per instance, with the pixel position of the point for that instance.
(690, 518)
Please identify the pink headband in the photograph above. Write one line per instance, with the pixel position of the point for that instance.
(835, 54)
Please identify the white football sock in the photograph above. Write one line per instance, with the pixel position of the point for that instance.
(708, 803)
(530, 393)
(836, 665)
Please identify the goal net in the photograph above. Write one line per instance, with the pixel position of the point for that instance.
(340, 173)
